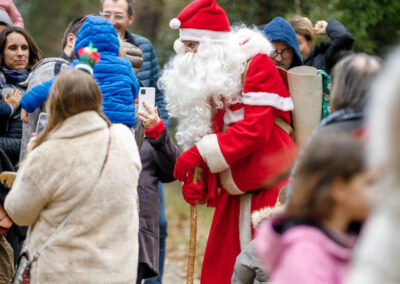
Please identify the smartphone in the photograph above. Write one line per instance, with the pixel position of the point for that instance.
(148, 96)
(42, 122)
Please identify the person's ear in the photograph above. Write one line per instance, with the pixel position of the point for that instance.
(131, 19)
(71, 40)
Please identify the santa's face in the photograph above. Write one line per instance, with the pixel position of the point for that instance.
(194, 83)
(190, 46)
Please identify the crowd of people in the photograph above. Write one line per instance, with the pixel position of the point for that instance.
(87, 203)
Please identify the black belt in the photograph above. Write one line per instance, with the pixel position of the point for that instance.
(280, 178)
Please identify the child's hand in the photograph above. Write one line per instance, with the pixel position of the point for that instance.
(149, 119)
(13, 98)
(24, 116)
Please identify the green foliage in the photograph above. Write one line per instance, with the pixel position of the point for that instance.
(373, 23)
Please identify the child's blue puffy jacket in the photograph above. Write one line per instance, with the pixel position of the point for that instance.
(114, 75)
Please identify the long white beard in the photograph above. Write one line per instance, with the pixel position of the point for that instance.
(193, 82)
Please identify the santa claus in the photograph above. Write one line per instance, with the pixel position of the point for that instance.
(233, 113)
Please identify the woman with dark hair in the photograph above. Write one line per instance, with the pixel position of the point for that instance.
(18, 54)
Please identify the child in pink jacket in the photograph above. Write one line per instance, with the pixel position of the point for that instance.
(9, 7)
(310, 242)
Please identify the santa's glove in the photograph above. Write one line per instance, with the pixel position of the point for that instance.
(185, 164)
(192, 192)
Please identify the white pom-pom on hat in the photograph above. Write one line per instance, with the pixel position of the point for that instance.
(175, 24)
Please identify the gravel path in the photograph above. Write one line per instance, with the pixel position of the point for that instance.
(174, 275)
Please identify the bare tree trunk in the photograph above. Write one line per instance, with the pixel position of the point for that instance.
(297, 6)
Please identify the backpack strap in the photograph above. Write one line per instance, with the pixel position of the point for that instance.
(283, 125)
(244, 74)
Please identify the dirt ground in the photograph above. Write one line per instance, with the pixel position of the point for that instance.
(174, 274)
(178, 215)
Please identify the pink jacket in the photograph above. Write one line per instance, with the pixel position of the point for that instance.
(302, 255)
(12, 11)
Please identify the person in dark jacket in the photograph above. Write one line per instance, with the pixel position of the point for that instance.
(158, 156)
(121, 14)
(282, 35)
(326, 54)
(18, 54)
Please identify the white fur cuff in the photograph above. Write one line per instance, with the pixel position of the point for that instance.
(209, 149)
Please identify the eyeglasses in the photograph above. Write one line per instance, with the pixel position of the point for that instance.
(286, 53)
(117, 16)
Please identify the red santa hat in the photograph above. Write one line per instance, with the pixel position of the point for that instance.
(202, 18)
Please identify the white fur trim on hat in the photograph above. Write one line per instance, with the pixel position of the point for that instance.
(84, 67)
(197, 35)
(175, 24)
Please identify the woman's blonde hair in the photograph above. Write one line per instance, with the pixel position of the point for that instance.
(303, 26)
(73, 92)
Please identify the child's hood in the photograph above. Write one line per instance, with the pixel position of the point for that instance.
(273, 241)
(101, 33)
(265, 213)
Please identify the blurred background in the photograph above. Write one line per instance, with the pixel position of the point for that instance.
(373, 23)
(375, 26)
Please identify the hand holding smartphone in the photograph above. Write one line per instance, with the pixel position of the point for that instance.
(42, 122)
(147, 95)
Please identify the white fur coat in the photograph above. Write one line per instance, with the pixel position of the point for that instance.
(100, 243)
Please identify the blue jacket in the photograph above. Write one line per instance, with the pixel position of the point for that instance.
(114, 75)
(280, 30)
(149, 73)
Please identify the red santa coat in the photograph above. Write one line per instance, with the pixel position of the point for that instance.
(248, 154)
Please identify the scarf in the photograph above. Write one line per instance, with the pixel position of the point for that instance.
(338, 116)
(15, 77)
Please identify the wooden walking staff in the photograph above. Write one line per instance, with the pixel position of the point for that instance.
(193, 233)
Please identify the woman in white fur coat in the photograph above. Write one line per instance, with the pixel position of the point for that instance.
(99, 244)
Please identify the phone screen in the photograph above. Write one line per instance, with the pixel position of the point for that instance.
(42, 122)
(146, 95)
